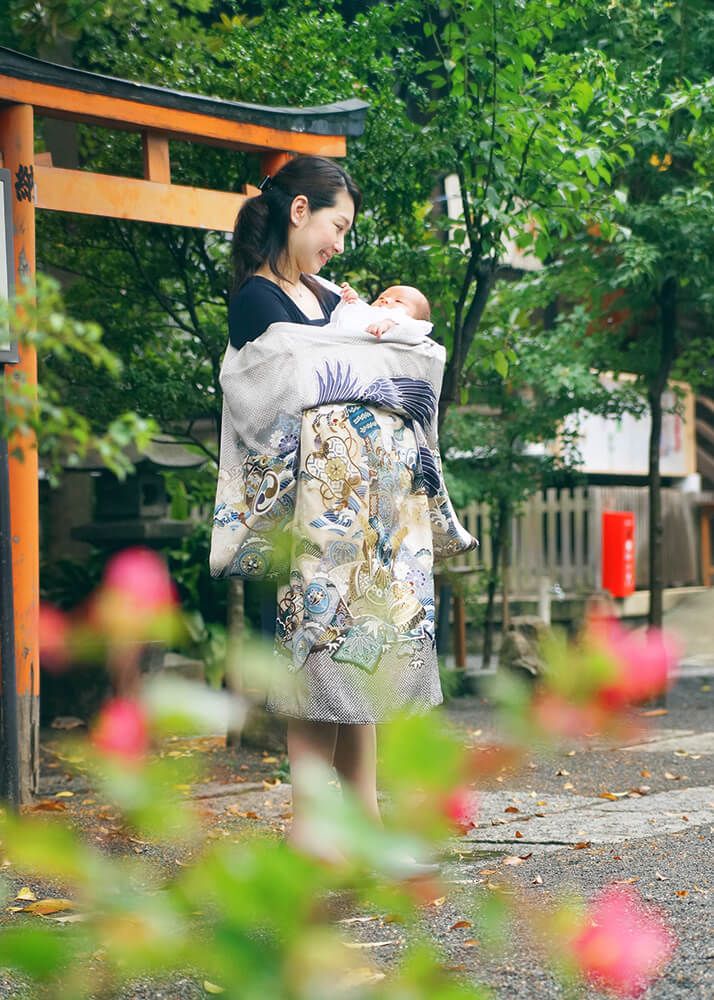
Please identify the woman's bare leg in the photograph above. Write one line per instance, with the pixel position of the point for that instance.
(355, 760)
(306, 742)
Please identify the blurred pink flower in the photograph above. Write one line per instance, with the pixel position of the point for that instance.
(461, 807)
(556, 716)
(625, 945)
(54, 638)
(122, 730)
(141, 576)
(137, 599)
(645, 662)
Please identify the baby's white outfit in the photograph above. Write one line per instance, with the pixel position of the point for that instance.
(355, 317)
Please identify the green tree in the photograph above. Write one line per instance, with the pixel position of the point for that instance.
(550, 377)
(656, 269)
(39, 321)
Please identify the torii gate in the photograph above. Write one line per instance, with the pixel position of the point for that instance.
(31, 86)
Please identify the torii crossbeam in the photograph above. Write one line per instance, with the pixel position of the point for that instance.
(30, 87)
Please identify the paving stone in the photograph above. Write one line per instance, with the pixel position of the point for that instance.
(685, 740)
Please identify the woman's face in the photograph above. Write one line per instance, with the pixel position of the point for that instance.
(314, 237)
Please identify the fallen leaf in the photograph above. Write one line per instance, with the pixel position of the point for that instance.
(370, 944)
(561, 772)
(671, 777)
(525, 857)
(518, 834)
(459, 924)
(66, 722)
(436, 903)
(489, 871)
(682, 892)
(512, 860)
(608, 795)
(581, 845)
(64, 795)
(644, 773)
(47, 805)
(212, 988)
(511, 809)
(270, 760)
(654, 712)
(538, 880)
(470, 943)
(26, 893)
(660, 877)
(568, 786)
(358, 920)
(627, 881)
(43, 907)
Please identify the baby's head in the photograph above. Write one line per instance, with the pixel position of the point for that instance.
(406, 297)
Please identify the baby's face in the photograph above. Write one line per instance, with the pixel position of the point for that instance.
(403, 297)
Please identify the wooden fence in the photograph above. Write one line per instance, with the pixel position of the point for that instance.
(557, 534)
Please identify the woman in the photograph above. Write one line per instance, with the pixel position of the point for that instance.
(362, 569)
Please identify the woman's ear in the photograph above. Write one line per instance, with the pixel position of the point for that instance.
(299, 210)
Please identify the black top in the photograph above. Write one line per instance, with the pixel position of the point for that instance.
(260, 302)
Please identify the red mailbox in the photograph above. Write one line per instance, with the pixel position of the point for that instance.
(618, 552)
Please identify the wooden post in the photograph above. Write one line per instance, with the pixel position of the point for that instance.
(459, 631)
(705, 515)
(157, 161)
(17, 146)
(271, 162)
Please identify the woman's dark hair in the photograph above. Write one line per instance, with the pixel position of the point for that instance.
(261, 229)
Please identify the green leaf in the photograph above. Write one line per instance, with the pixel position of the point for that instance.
(500, 363)
(583, 94)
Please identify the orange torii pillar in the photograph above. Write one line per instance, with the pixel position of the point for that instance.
(17, 148)
(30, 86)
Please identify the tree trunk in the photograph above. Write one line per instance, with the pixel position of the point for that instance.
(506, 565)
(655, 502)
(464, 332)
(668, 341)
(236, 632)
(497, 541)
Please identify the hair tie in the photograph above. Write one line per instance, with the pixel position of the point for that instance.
(265, 184)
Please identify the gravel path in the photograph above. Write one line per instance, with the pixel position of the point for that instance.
(640, 815)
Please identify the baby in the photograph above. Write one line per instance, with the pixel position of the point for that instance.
(399, 306)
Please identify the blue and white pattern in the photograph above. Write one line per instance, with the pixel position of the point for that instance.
(330, 479)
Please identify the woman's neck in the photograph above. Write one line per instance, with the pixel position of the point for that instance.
(289, 272)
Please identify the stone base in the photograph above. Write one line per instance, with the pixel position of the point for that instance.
(520, 648)
(264, 730)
